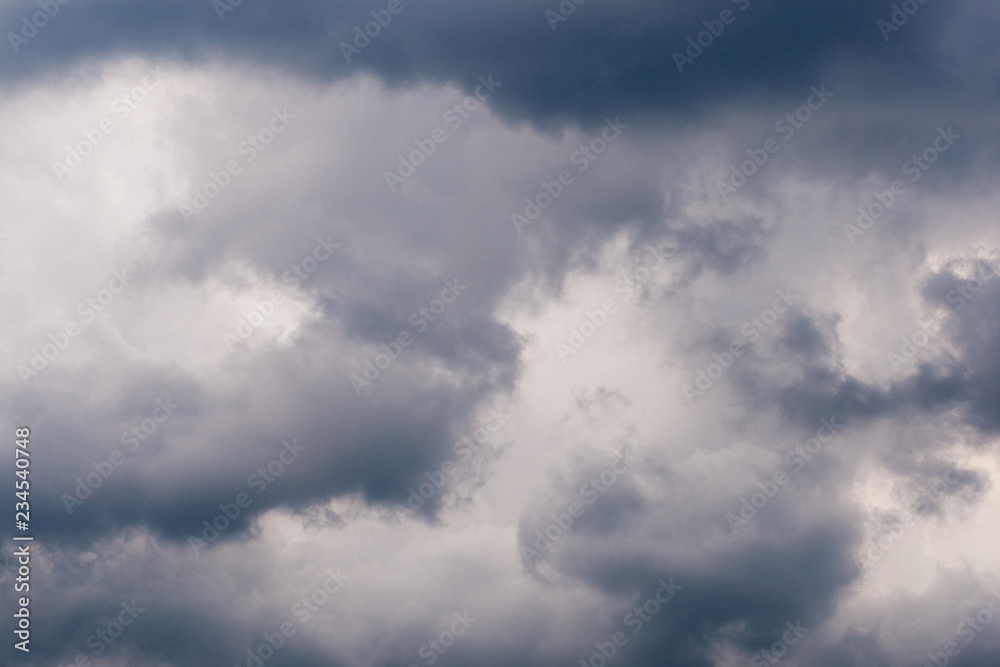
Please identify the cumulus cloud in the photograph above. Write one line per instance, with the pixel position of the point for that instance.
(505, 333)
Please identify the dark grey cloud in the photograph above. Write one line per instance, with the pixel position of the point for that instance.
(664, 522)
(963, 379)
(929, 423)
(602, 60)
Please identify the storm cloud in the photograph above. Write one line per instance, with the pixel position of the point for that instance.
(421, 332)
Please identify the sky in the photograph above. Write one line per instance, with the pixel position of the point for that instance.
(419, 332)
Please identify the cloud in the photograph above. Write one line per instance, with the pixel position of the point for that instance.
(301, 346)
